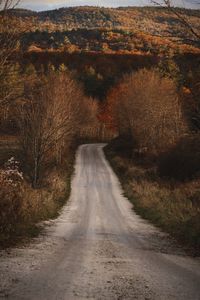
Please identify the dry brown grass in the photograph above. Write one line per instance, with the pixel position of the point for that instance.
(173, 206)
(22, 207)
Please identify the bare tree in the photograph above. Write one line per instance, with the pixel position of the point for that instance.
(49, 119)
(8, 4)
(181, 17)
(8, 44)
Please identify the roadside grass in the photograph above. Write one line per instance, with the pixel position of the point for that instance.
(22, 208)
(40, 205)
(8, 148)
(173, 206)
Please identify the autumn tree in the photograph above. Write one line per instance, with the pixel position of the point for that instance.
(9, 44)
(116, 110)
(49, 120)
(147, 107)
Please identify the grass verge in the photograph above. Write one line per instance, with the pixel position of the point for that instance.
(173, 206)
(22, 208)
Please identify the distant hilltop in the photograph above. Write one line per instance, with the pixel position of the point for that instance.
(116, 29)
(152, 20)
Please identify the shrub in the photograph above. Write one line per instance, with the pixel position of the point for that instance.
(11, 197)
(22, 207)
(182, 162)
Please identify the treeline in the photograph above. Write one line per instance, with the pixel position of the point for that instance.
(96, 72)
(41, 115)
(156, 154)
(150, 20)
(46, 113)
(123, 30)
(103, 40)
(159, 114)
(99, 72)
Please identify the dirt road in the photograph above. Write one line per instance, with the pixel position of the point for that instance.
(99, 248)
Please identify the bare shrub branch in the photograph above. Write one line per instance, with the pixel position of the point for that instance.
(181, 17)
(8, 44)
(50, 119)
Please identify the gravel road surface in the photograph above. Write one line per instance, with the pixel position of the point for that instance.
(98, 248)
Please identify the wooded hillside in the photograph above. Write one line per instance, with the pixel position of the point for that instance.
(147, 26)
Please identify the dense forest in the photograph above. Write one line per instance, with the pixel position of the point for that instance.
(100, 44)
(155, 21)
(149, 30)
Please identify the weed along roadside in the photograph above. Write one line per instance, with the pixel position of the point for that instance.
(169, 205)
(26, 208)
(99, 248)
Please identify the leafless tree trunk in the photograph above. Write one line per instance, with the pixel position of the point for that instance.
(50, 118)
(8, 43)
(8, 4)
(181, 17)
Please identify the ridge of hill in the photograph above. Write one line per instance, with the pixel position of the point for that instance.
(152, 20)
(127, 29)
